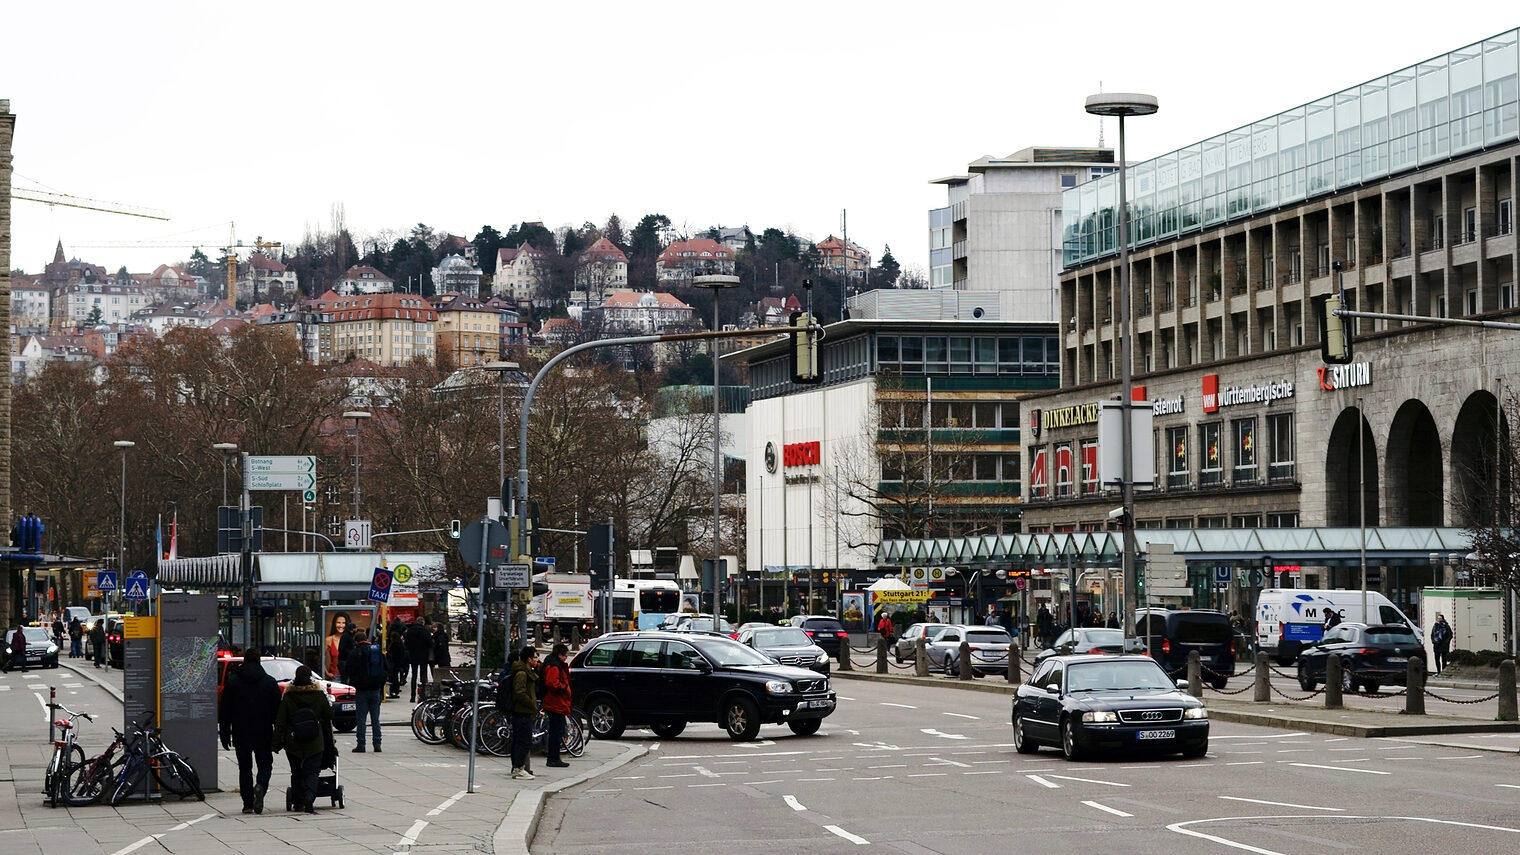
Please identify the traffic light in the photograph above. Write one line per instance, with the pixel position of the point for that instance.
(1334, 337)
(804, 349)
(528, 523)
(601, 542)
(454, 529)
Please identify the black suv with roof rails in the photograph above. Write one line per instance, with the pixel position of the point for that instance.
(1171, 634)
(663, 680)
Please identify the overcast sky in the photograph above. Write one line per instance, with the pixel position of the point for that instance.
(768, 114)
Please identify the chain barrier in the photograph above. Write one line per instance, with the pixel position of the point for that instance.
(1281, 693)
(1456, 701)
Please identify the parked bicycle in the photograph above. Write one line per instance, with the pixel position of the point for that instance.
(88, 782)
(147, 754)
(66, 754)
(435, 719)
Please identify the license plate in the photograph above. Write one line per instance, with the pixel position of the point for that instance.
(1398, 659)
(815, 705)
(347, 707)
(1156, 734)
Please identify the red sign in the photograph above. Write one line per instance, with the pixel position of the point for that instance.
(1037, 475)
(801, 454)
(1211, 393)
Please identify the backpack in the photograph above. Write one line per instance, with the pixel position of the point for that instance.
(374, 663)
(303, 725)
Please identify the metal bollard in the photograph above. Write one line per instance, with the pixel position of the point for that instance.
(1263, 691)
(1333, 683)
(52, 706)
(844, 655)
(881, 655)
(1507, 707)
(575, 637)
(1014, 674)
(920, 658)
(963, 661)
(1414, 686)
(1195, 674)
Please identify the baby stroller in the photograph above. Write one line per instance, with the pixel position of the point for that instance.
(327, 787)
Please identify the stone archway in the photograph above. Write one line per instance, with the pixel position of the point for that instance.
(1342, 475)
(1473, 451)
(1414, 468)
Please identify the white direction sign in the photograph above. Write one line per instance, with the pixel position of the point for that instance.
(287, 472)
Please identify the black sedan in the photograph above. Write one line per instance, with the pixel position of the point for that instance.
(787, 645)
(1085, 704)
(1091, 640)
(663, 680)
(1371, 656)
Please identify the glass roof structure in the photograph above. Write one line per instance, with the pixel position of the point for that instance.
(1427, 113)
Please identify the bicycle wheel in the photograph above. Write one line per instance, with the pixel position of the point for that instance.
(175, 774)
(574, 742)
(459, 727)
(495, 735)
(85, 784)
(133, 775)
(427, 724)
(62, 760)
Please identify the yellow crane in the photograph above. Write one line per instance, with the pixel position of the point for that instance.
(69, 201)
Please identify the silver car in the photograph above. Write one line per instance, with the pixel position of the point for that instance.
(906, 645)
(787, 645)
(990, 646)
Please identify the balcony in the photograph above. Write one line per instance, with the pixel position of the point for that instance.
(958, 250)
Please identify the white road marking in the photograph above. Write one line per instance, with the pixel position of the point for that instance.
(758, 783)
(928, 775)
(987, 772)
(853, 838)
(802, 780)
(791, 802)
(1181, 827)
(1106, 808)
(412, 833)
(448, 803)
(695, 786)
(1090, 781)
(1340, 768)
(155, 837)
(1258, 736)
(653, 788)
(1280, 804)
(1511, 786)
(843, 698)
(892, 766)
(1460, 757)
(1247, 763)
(705, 772)
(758, 743)
(963, 715)
(903, 706)
(1042, 782)
(952, 762)
(932, 732)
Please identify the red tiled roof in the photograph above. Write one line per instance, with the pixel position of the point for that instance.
(364, 271)
(260, 261)
(632, 300)
(604, 250)
(378, 306)
(697, 248)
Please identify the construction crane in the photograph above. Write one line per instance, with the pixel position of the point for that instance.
(229, 254)
(69, 201)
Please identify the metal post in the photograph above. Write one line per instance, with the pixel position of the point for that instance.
(1361, 496)
(245, 556)
(121, 528)
(480, 632)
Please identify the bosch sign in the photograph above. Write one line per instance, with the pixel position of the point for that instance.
(801, 454)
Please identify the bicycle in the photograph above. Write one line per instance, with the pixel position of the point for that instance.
(66, 754)
(88, 782)
(147, 754)
(574, 740)
(433, 718)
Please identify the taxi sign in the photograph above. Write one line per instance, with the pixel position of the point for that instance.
(380, 586)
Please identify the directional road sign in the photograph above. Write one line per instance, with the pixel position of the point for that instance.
(137, 586)
(380, 586)
(105, 580)
(287, 472)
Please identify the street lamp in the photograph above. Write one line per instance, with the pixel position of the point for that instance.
(1122, 105)
(717, 282)
(121, 526)
(501, 369)
(358, 416)
(226, 448)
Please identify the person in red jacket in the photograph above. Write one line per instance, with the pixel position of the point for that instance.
(556, 701)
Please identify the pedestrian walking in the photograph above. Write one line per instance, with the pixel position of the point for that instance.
(345, 650)
(1440, 641)
(1113, 620)
(58, 630)
(367, 671)
(395, 652)
(98, 641)
(419, 648)
(884, 626)
(250, 701)
(76, 638)
(303, 730)
(1044, 626)
(18, 651)
(441, 658)
(556, 701)
(524, 708)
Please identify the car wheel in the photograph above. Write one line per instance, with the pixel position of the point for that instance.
(1069, 747)
(805, 726)
(1021, 741)
(1305, 681)
(741, 718)
(1371, 688)
(605, 719)
(1196, 750)
(669, 729)
(346, 726)
(1218, 683)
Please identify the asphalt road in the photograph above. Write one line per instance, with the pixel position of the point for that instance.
(931, 769)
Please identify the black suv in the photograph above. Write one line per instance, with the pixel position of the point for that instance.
(1173, 633)
(662, 680)
(827, 632)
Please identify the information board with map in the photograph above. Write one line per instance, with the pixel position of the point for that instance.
(187, 667)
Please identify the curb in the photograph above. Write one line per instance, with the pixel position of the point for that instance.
(521, 822)
(94, 678)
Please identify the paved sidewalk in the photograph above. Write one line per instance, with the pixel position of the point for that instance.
(411, 796)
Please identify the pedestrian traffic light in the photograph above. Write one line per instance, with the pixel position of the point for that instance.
(1334, 336)
(454, 529)
(804, 348)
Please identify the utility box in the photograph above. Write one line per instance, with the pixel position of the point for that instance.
(1476, 616)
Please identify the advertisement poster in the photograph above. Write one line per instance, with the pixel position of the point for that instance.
(336, 620)
(853, 613)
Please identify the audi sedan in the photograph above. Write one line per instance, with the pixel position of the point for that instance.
(1088, 704)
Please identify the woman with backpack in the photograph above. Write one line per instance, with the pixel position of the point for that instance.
(303, 729)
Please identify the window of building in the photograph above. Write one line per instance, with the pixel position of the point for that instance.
(1507, 295)
(1038, 485)
(1211, 464)
(1469, 225)
(1506, 224)
(1280, 441)
(1213, 522)
(1089, 467)
(1283, 520)
(1063, 470)
(1245, 450)
(1472, 301)
(1246, 521)
(1068, 179)
(1177, 473)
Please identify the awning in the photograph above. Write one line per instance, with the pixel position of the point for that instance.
(288, 572)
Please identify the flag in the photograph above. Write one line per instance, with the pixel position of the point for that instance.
(158, 537)
(174, 536)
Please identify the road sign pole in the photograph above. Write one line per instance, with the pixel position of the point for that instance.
(245, 561)
(480, 632)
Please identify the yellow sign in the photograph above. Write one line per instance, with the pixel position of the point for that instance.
(139, 627)
(403, 574)
(889, 597)
(91, 580)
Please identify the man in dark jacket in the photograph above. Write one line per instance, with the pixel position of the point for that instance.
(368, 687)
(307, 753)
(524, 708)
(98, 641)
(395, 651)
(345, 650)
(76, 638)
(250, 699)
(18, 651)
(419, 646)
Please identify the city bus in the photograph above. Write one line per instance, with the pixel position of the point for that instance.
(643, 603)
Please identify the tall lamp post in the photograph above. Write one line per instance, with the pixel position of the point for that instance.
(501, 369)
(121, 525)
(717, 282)
(1123, 105)
(357, 416)
(227, 449)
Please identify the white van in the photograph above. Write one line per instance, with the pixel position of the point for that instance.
(1289, 619)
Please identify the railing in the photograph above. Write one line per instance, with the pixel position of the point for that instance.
(1292, 278)
(1432, 244)
(1265, 285)
(1402, 251)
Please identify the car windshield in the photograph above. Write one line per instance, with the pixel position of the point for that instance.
(280, 669)
(731, 654)
(988, 636)
(36, 633)
(781, 638)
(706, 625)
(1102, 637)
(1114, 676)
(1191, 630)
(1388, 635)
(824, 625)
(935, 631)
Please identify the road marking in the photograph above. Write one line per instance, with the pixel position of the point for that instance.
(932, 732)
(952, 762)
(802, 780)
(903, 706)
(1247, 763)
(928, 775)
(448, 803)
(1460, 757)
(757, 783)
(1259, 736)
(791, 802)
(987, 772)
(892, 766)
(1340, 768)
(705, 772)
(412, 833)
(853, 838)
(1280, 804)
(1181, 827)
(665, 787)
(1090, 781)
(155, 837)
(963, 715)
(879, 778)
(682, 775)
(1511, 786)
(1042, 782)
(1106, 808)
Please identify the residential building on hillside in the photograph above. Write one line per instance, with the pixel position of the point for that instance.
(513, 331)
(262, 277)
(73, 305)
(684, 259)
(31, 306)
(773, 311)
(162, 317)
(456, 274)
(61, 272)
(1001, 228)
(735, 238)
(520, 272)
(308, 327)
(363, 279)
(560, 332)
(468, 331)
(172, 284)
(843, 258)
(644, 313)
(602, 268)
(386, 329)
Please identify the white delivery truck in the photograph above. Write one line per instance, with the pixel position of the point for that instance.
(566, 605)
(1290, 619)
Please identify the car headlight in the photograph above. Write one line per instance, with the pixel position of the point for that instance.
(1101, 717)
(52, 648)
(778, 687)
(1195, 713)
(821, 658)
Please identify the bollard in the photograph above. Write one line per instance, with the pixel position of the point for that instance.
(1333, 683)
(1263, 679)
(920, 658)
(575, 637)
(1195, 674)
(1013, 674)
(1507, 708)
(963, 661)
(881, 655)
(1414, 686)
(52, 706)
(844, 655)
